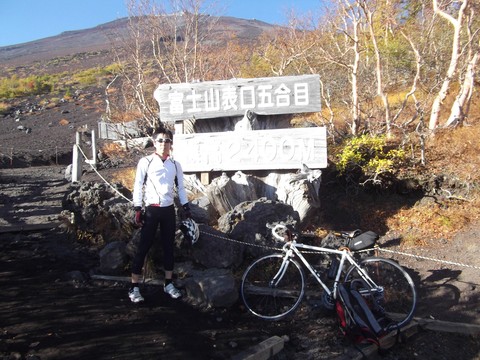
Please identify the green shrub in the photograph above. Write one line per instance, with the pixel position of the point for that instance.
(92, 76)
(13, 86)
(369, 158)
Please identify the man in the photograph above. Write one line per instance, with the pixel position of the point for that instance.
(156, 177)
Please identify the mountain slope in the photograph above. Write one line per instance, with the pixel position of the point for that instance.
(97, 41)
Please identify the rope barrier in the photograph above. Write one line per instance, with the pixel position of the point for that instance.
(308, 252)
(359, 251)
(36, 150)
(104, 180)
(241, 242)
(429, 258)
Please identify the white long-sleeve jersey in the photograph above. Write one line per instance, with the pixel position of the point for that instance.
(158, 189)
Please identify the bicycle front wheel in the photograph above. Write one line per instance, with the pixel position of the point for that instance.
(273, 287)
(394, 294)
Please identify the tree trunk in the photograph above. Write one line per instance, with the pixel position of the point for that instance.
(457, 24)
(354, 76)
(457, 114)
(461, 105)
(378, 66)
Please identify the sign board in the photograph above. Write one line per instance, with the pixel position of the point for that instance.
(264, 96)
(117, 131)
(252, 150)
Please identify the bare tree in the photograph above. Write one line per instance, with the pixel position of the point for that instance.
(460, 106)
(457, 27)
(161, 47)
(339, 45)
(178, 41)
(286, 46)
(368, 12)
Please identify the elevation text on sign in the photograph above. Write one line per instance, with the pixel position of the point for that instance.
(252, 150)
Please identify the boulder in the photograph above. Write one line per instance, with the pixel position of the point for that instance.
(251, 222)
(113, 258)
(211, 288)
(215, 249)
(99, 210)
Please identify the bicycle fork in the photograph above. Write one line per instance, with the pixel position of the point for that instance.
(281, 272)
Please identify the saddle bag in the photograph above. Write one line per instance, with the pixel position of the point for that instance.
(363, 241)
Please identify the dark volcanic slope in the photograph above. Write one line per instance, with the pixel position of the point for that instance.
(101, 38)
(67, 43)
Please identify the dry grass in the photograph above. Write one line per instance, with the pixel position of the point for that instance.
(126, 177)
(454, 154)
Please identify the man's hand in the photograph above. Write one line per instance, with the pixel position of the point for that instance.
(186, 210)
(138, 217)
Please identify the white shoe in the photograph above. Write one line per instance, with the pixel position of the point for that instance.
(135, 296)
(171, 290)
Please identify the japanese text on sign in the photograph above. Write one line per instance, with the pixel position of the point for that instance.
(277, 95)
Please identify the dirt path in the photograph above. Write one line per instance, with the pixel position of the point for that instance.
(31, 197)
(51, 309)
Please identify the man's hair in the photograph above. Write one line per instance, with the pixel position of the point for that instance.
(163, 131)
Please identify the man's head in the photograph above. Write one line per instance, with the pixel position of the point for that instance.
(163, 140)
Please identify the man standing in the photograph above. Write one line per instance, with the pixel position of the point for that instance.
(156, 177)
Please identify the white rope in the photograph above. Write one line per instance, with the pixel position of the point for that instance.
(30, 150)
(104, 180)
(241, 242)
(360, 251)
(308, 252)
(429, 258)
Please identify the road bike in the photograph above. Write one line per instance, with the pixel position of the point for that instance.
(273, 286)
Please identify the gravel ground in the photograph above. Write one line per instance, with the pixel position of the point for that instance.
(49, 310)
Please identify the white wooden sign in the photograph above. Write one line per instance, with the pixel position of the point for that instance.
(252, 150)
(263, 96)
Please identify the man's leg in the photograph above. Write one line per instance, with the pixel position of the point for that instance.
(146, 240)
(167, 233)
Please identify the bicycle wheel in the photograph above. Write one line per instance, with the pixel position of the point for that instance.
(395, 297)
(271, 288)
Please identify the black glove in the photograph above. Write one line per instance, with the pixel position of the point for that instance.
(186, 210)
(138, 216)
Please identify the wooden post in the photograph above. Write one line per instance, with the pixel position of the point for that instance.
(205, 178)
(178, 127)
(77, 161)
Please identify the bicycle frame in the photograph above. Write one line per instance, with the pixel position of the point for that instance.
(274, 285)
(291, 249)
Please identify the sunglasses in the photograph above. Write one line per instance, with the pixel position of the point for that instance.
(164, 140)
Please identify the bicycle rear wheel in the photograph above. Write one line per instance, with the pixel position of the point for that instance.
(395, 297)
(272, 288)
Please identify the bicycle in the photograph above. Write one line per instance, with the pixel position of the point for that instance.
(273, 286)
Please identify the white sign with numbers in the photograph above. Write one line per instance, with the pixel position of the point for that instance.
(252, 150)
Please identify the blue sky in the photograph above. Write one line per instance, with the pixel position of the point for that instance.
(28, 20)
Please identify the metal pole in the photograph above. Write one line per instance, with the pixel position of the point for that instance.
(77, 161)
(94, 149)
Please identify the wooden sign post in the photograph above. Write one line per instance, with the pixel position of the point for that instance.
(246, 148)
